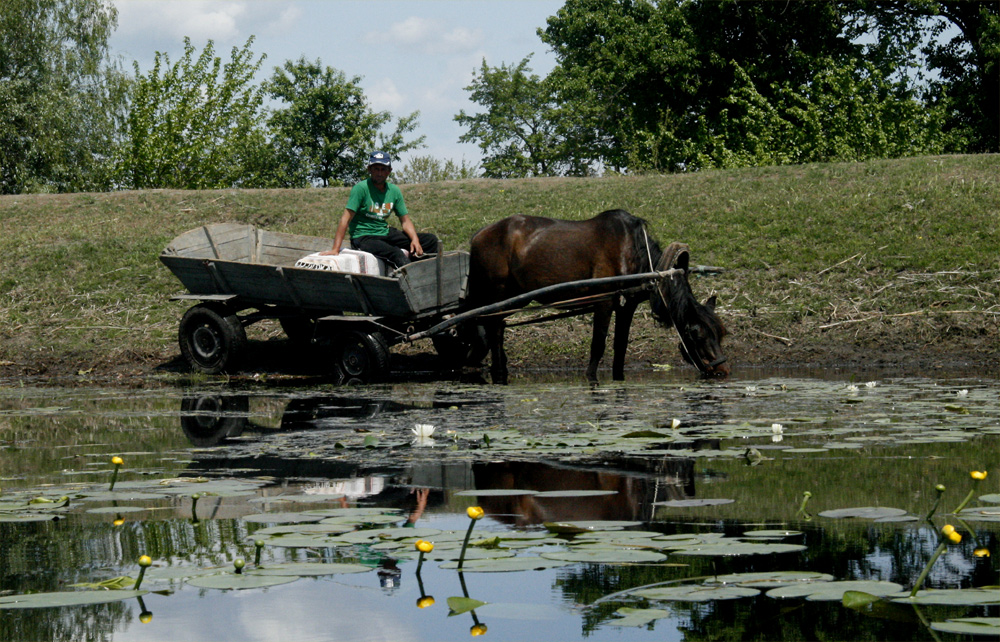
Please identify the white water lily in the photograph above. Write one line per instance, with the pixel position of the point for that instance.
(777, 432)
(675, 424)
(852, 388)
(962, 392)
(776, 428)
(871, 384)
(423, 430)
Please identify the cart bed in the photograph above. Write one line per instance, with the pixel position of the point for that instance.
(258, 267)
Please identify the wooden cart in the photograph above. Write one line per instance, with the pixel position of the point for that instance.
(239, 275)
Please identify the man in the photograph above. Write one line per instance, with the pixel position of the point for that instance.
(365, 218)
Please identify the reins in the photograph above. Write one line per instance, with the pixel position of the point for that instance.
(692, 354)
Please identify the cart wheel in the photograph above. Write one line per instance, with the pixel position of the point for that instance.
(364, 357)
(210, 419)
(466, 348)
(300, 330)
(212, 340)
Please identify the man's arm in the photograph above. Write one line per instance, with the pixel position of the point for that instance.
(411, 231)
(338, 240)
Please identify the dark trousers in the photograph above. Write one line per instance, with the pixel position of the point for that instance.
(390, 247)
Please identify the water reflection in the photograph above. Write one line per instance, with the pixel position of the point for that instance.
(910, 435)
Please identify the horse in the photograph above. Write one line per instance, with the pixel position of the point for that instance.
(521, 254)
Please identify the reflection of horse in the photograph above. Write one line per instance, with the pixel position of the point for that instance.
(634, 493)
(520, 254)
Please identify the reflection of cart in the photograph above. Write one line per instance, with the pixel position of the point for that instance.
(240, 275)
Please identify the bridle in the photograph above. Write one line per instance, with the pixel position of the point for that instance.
(689, 349)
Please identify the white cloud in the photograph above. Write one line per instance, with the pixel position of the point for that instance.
(384, 96)
(426, 36)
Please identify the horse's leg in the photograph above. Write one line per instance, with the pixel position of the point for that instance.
(623, 326)
(602, 320)
(498, 356)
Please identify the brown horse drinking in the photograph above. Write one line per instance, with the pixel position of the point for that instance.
(521, 254)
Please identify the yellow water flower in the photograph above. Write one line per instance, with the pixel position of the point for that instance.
(146, 617)
(478, 629)
(981, 552)
(118, 522)
(475, 512)
(117, 461)
(145, 560)
(947, 530)
(425, 601)
(424, 546)
(978, 475)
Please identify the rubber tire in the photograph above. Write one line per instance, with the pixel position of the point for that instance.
(212, 339)
(362, 357)
(211, 419)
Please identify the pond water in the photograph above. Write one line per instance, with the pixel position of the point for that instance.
(625, 511)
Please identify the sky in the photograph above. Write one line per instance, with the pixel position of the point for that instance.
(412, 55)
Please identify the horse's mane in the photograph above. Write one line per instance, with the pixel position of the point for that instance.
(646, 251)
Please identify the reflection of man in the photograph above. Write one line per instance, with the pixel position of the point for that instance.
(369, 207)
(421, 495)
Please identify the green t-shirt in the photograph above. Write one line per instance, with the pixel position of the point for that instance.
(373, 208)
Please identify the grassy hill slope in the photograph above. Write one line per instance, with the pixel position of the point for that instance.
(887, 263)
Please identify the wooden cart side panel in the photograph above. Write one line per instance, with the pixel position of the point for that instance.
(277, 248)
(223, 241)
(420, 281)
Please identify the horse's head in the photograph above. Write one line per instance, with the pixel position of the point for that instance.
(700, 330)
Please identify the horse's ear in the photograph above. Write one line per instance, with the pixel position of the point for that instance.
(710, 303)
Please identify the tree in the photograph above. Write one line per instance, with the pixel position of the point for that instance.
(427, 169)
(196, 124)
(522, 130)
(678, 85)
(59, 94)
(327, 130)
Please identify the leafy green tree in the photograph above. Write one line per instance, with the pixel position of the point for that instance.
(59, 94)
(196, 124)
(522, 131)
(327, 130)
(427, 169)
(679, 85)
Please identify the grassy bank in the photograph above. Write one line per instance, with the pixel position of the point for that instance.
(890, 262)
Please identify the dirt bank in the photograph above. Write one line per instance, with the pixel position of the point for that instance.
(909, 345)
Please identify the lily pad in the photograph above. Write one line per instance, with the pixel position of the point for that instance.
(979, 626)
(116, 509)
(459, 605)
(687, 503)
(605, 555)
(725, 549)
(27, 517)
(951, 597)
(308, 569)
(507, 564)
(771, 533)
(865, 512)
(696, 593)
(593, 525)
(833, 591)
(66, 598)
(769, 580)
(281, 518)
(240, 581)
(575, 493)
(495, 492)
(637, 617)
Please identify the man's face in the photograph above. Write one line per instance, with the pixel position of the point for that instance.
(379, 173)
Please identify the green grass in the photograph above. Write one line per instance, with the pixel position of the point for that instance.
(902, 253)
